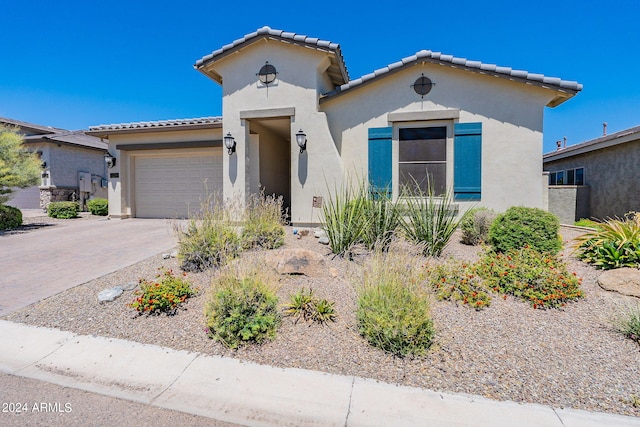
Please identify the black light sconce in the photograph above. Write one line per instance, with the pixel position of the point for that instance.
(109, 160)
(301, 139)
(230, 143)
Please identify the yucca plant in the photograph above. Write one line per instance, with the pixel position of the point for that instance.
(428, 220)
(383, 218)
(615, 243)
(344, 219)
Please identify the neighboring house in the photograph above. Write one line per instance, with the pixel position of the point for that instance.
(73, 165)
(599, 178)
(462, 125)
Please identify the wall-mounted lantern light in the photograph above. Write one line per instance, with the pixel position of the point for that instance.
(230, 143)
(109, 160)
(301, 139)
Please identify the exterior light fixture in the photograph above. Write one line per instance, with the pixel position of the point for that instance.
(230, 143)
(301, 139)
(109, 160)
(267, 73)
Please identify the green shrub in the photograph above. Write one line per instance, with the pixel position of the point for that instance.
(457, 281)
(520, 226)
(207, 243)
(344, 221)
(476, 224)
(393, 309)
(64, 210)
(264, 223)
(628, 324)
(98, 206)
(614, 243)
(382, 218)
(584, 222)
(428, 220)
(536, 277)
(305, 305)
(243, 306)
(10, 217)
(164, 294)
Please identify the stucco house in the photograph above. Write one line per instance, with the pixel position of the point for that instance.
(73, 165)
(598, 178)
(463, 125)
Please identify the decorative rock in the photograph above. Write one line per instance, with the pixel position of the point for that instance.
(625, 281)
(297, 261)
(324, 240)
(109, 295)
(174, 254)
(129, 286)
(166, 256)
(318, 233)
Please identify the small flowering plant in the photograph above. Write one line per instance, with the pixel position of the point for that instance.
(456, 281)
(164, 294)
(539, 278)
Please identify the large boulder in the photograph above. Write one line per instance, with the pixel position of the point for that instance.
(625, 281)
(297, 261)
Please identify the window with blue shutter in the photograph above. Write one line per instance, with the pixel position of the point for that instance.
(380, 161)
(467, 161)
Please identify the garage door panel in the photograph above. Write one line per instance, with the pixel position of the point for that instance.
(169, 187)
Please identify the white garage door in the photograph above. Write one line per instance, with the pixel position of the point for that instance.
(171, 187)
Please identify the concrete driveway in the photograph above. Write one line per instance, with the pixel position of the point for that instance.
(44, 261)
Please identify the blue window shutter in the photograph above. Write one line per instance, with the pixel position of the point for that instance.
(467, 161)
(380, 161)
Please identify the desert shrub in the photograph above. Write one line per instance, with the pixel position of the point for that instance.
(305, 305)
(264, 222)
(344, 221)
(98, 206)
(428, 220)
(475, 225)
(628, 324)
(539, 278)
(614, 243)
(207, 243)
(10, 217)
(393, 308)
(520, 226)
(457, 281)
(64, 210)
(381, 216)
(243, 306)
(164, 294)
(584, 222)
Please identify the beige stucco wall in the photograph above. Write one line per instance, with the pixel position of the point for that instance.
(121, 192)
(511, 115)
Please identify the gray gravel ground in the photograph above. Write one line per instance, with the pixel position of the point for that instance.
(565, 358)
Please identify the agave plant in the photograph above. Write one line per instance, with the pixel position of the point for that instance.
(615, 243)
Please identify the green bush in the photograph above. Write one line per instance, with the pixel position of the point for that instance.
(393, 309)
(476, 224)
(382, 217)
(305, 305)
(98, 206)
(457, 281)
(584, 222)
(520, 226)
(614, 243)
(428, 220)
(10, 217)
(207, 243)
(243, 307)
(64, 210)
(264, 223)
(628, 324)
(164, 294)
(536, 277)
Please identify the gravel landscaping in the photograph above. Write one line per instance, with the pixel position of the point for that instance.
(565, 358)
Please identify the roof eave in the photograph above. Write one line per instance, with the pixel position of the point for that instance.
(105, 133)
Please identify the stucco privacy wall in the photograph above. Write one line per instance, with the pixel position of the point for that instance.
(121, 188)
(294, 94)
(613, 176)
(511, 114)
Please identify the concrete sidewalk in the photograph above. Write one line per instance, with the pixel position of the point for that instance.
(229, 390)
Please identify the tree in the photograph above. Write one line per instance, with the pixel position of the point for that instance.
(18, 167)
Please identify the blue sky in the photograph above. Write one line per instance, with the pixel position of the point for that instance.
(73, 64)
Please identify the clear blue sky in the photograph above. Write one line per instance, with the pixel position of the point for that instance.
(74, 64)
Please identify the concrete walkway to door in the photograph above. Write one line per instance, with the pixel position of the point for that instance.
(43, 261)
